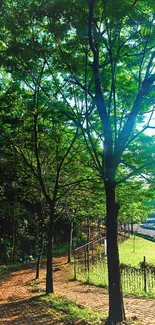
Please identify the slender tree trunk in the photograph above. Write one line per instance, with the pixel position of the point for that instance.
(13, 239)
(49, 271)
(88, 240)
(70, 242)
(131, 228)
(53, 239)
(38, 266)
(116, 307)
(88, 234)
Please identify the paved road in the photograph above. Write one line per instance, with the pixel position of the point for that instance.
(144, 231)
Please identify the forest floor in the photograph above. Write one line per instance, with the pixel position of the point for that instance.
(18, 306)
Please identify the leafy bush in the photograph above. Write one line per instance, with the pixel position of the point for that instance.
(5, 249)
(60, 250)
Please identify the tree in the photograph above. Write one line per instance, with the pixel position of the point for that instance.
(103, 81)
(17, 229)
(117, 84)
(42, 140)
(134, 197)
(118, 81)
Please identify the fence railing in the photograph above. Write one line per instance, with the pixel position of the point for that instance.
(89, 253)
(138, 280)
(90, 265)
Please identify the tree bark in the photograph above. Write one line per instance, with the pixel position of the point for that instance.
(38, 266)
(131, 227)
(49, 273)
(70, 242)
(88, 234)
(116, 307)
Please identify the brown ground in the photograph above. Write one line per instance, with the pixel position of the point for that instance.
(17, 307)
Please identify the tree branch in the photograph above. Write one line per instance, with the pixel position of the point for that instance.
(99, 99)
(135, 171)
(39, 171)
(59, 167)
(128, 127)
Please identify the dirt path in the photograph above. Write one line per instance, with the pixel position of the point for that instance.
(17, 308)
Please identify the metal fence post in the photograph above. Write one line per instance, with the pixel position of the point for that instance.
(144, 273)
(105, 246)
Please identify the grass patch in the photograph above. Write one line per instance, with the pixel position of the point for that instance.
(9, 268)
(132, 277)
(15, 267)
(97, 276)
(34, 285)
(133, 257)
(67, 311)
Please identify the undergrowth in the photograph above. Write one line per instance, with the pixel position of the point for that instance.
(8, 268)
(67, 311)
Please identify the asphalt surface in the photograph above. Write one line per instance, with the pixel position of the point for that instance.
(143, 230)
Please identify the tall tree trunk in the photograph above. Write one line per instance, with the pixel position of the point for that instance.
(38, 266)
(40, 252)
(131, 227)
(13, 238)
(70, 242)
(116, 307)
(88, 233)
(49, 271)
